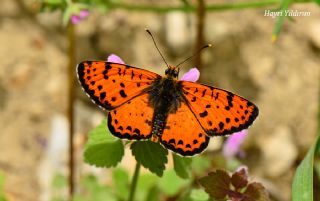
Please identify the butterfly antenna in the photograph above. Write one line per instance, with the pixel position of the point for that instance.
(195, 54)
(148, 31)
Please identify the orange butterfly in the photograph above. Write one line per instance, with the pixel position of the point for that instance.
(181, 115)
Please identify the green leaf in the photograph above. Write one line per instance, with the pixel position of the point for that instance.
(151, 155)
(200, 164)
(102, 149)
(199, 195)
(121, 181)
(54, 2)
(182, 166)
(317, 168)
(171, 184)
(1, 181)
(302, 187)
(153, 194)
(94, 191)
(59, 181)
(66, 16)
(317, 1)
(277, 28)
(216, 184)
(2, 196)
(145, 183)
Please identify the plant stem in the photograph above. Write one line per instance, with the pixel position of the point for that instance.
(70, 112)
(200, 33)
(134, 181)
(190, 8)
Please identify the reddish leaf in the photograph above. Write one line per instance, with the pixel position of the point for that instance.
(255, 192)
(216, 184)
(239, 179)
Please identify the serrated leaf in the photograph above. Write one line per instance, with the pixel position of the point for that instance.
(216, 184)
(182, 166)
(121, 181)
(255, 192)
(151, 155)
(171, 184)
(239, 179)
(199, 195)
(102, 149)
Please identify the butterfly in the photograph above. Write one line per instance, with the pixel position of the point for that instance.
(181, 115)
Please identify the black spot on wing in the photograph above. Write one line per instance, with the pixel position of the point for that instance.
(102, 95)
(203, 114)
(242, 125)
(172, 141)
(137, 131)
(204, 92)
(228, 120)
(221, 125)
(122, 93)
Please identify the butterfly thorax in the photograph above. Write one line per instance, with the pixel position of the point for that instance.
(165, 96)
(172, 72)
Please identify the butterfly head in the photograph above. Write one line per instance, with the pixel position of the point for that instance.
(172, 72)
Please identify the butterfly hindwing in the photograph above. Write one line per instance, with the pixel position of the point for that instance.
(132, 120)
(183, 133)
(110, 84)
(218, 111)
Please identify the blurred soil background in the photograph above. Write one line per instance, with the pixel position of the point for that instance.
(282, 78)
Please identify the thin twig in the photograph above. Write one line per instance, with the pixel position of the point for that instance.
(134, 182)
(190, 8)
(71, 66)
(200, 32)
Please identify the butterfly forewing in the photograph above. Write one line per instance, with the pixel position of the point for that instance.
(110, 84)
(218, 111)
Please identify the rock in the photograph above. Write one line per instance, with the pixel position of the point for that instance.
(55, 156)
(314, 32)
(9, 8)
(279, 152)
(178, 32)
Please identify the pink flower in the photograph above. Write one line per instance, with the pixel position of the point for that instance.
(192, 75)
(231, 147)
(76, 19)
(115, 59)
